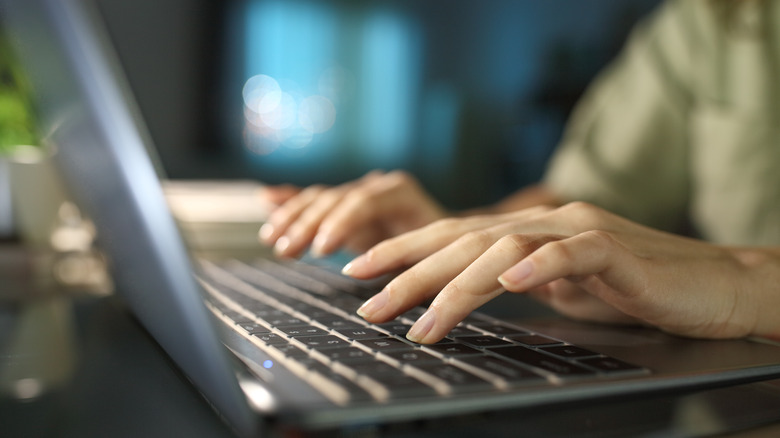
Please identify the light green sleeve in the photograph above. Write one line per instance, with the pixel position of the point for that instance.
(625, 146)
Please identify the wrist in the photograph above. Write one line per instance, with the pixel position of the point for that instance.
(761, 274)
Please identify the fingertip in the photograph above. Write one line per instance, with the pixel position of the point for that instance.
(322, 245)
(284, 247)
(514, 277)
(374, 305)
(421, 330)
(266, 233)
(347, 269)
(357, 267)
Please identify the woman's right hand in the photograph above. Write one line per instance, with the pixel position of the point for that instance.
(355, 215)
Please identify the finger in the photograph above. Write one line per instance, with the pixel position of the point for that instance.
(411, 247)
(426, 278)
(361, 240)
(587, 259)
(474, 286)
(300, 234)
(569, 299)
(294, 226)
(362, 207)
(281, 218)
(391, 203)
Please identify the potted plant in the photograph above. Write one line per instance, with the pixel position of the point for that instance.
(17, 124)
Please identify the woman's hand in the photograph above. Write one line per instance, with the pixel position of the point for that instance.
(355, 215)
(584, 262)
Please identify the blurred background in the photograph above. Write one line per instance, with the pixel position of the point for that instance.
(470, 96)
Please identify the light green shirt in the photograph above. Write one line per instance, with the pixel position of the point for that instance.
(684, 129)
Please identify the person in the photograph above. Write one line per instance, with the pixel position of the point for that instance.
(660, 207)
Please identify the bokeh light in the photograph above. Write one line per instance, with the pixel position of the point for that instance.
(277, 113)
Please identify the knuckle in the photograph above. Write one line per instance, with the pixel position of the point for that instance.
(538, 209)
(358, 196)
(515, 243)
(313, 190)
(579, 207)
(400, 178)
(585, 213)
(600, 236)
(398, 289)
(560, 251)
(455, 289)
(606, 241)
(479, 238)
(444, 225)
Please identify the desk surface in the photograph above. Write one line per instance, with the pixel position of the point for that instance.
(81, 366)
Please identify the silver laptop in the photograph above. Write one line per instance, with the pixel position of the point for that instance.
(275, 345)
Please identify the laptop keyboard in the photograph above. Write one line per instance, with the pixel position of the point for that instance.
(303, 316)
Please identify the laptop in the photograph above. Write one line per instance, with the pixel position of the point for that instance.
(275, 345)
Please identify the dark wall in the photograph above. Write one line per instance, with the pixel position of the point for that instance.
(169, 50)
(172, 51)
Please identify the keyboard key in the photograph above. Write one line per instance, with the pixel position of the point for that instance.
(507, 371)
(396, 328)
(410, 356)
(270, 338)
(315, 313)
(306, 330)
(291, 351)
(254, 328)
(449, 350)
(347, 303)
(569, 351)
(285, 321)
(459, 331)
(396, 386)
(334, 386)
(483, 341)
(266, 312)
(387, 382)
(456, 379)
(535, 340)
(321, 342)
(361, 333)
(337, 322)
(376, 369)
(497, 329)
(356, 393)
(542, 361)
(238, 318)
(413, 314)
(345, 355)
(382, 345)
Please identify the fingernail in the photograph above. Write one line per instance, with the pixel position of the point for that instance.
(281, 245)
(318, 245)
(423, 325)
(516, 273)
(265, 232)
(349, 268)
(375, 304)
